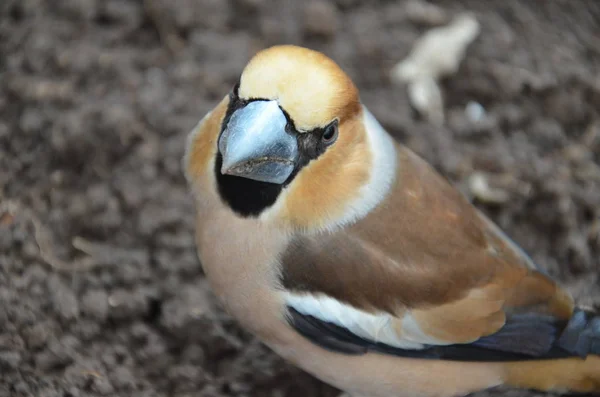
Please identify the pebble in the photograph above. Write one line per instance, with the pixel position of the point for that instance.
(86, 330)
(567, 106)
(59, 354)
(102, 386)
(188, 314)
(154, 217)
(548, 133)
(6, 240)
(123, 379)
(186, 377)
(320, 19)
(10, 360)
(31, 121)
(474, 111)
(422, 12)
(124, 304)
(37, 335)
(63, 299)
(95, 304)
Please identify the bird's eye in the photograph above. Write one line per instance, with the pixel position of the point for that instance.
(330, 134)
(235, 90)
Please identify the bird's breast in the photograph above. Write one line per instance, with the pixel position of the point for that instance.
(239, 258)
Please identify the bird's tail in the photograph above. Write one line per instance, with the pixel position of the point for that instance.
(577, 371)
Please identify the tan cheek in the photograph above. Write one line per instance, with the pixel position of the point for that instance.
(320, 191)
(204, 145)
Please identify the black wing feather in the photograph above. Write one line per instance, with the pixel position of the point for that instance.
(524, 337)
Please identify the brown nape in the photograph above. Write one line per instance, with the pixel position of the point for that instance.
(308, 85)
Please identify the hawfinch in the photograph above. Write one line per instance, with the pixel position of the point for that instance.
(349, 256)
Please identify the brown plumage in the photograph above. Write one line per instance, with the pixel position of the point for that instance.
(367, 236)
(368, 267)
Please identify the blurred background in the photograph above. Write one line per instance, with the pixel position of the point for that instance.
(101, 292)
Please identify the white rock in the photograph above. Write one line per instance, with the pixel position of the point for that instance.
(436, 54)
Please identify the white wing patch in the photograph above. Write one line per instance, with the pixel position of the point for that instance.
(374, 327)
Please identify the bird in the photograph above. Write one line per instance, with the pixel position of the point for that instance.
(353, 258)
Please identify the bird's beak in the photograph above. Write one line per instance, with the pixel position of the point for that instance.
(255, 144)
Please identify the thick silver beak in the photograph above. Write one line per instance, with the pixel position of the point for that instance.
(255, 144)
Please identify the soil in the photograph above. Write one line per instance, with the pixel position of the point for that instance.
(102, 293)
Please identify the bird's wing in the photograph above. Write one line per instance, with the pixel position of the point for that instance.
(424, 271)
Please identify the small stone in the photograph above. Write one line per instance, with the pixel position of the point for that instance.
(125, 304)
(36, 336)
(577, 153)
(512, 116)
(98, 196)
(214, 14)
(186, 377)
(122, 378)
(74, 392)
(10, 341)
(188, 315)
(10, 360)
(95, 304)
(480, 187)
(149, 150)
(475, 111)
(102, 386)
(470, 123)
(140, 332)
(346, 4)
(36, 275)
(548, 133)
(64, 300)
(6, 240)
(568, 106)
(153, 351)
(320, 19)
(195, 355)
(154, 217)
(179, 240)
(252, 4)
(78, 205)
(580, 257)
(59, 354)
(30, 250)
(130, 189)
(21, 388)
(3, 130)
(79, 9)
(31, 121)
(422, 12)
(86, 330)
(127, 13)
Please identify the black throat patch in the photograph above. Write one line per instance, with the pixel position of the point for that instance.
(245, 196)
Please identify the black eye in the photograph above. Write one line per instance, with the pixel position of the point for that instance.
(235, 90)
(330, 133)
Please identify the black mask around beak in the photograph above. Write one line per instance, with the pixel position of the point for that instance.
(255, 145)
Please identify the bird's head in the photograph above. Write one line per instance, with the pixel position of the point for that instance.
(290, 143)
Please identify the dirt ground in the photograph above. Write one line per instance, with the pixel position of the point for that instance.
(101, 291)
